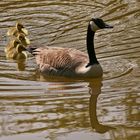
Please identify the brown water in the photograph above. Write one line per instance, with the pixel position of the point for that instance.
(61, 109)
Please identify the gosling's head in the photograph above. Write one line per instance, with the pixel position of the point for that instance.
(19, 25)
(20, 53)
(23, 39)
(21, 28)
(20, 48)
(97, 23)
(15, 43)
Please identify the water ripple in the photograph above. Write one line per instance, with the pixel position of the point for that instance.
(31, 104)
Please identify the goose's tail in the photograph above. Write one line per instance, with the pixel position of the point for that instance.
(31, 49)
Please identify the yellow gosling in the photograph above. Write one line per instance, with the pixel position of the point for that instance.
(11, 46)
(20, 52)
(15, 50)
(23, 39)
(19, 28)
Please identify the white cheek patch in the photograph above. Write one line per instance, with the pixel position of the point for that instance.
(93, 26)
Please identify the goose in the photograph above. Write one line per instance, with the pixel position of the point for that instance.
(69, 62)
(19, 28)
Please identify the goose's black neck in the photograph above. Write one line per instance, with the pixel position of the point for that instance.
(90, 47)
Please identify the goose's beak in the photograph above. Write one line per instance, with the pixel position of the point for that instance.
(108, 26)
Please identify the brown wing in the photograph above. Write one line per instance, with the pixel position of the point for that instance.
(55, 57)
(59, 58)
(58, 61)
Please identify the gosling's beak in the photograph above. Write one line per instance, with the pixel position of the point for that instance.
(25, 31)
(108, 26)
(27, 41)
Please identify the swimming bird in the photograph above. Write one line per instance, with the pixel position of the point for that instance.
(14, 47)
(69, 62)
(15, 50)
(11, 46)
(20, 52)
(19, 28)
(23, 39)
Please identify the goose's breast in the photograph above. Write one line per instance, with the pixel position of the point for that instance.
(91, 71)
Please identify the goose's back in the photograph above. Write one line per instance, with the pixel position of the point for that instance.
(59, 61)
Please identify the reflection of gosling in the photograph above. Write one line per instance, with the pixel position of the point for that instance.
(19, 28)
(20, 52)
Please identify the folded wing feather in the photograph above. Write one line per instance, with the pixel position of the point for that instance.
(58, 60)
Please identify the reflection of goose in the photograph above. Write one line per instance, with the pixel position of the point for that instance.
(71, 62)
(95, 90)
(19, 28)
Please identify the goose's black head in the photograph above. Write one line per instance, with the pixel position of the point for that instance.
(97, 23)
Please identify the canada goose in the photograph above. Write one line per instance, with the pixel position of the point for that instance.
(19, 28)
(68, 62)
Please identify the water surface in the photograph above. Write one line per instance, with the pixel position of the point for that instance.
(65, 109)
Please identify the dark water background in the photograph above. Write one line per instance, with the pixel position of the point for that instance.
(60, 109)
